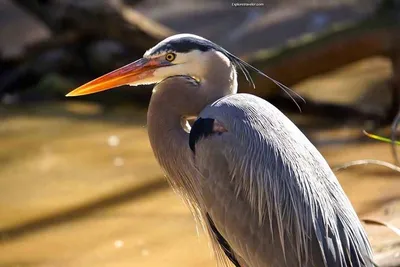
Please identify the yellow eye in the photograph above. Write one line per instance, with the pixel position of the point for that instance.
(170, 57)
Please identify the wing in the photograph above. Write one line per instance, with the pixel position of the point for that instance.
(203, 128)
(269, 192)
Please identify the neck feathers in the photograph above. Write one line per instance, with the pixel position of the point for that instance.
(181, 96)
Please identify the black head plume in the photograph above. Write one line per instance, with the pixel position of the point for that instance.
(184, 43)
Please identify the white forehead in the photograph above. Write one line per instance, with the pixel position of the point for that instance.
(183, 35)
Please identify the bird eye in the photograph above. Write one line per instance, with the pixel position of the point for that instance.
(170, 57)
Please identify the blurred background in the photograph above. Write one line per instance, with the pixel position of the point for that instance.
(79, 185)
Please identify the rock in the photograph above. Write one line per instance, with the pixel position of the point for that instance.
(18, 29)
(55, 60)
(103, 54)
(53, 84)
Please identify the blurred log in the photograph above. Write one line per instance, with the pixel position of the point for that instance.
(395, 57)
(315, 54)
(89, 39)
(79, 26)
(394, 109)
(103, 19)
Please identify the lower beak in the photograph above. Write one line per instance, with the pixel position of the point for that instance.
(131, 73)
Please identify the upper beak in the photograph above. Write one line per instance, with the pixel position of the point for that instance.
(128, 74)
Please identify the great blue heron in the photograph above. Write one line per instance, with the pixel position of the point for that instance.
(259, 187)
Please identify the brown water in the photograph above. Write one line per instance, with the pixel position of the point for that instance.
(80, 187)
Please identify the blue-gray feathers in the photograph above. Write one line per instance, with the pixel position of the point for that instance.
(265, 163)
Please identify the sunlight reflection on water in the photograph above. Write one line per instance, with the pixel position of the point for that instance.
(113, 141)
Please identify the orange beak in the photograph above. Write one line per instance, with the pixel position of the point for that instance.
(133, 73)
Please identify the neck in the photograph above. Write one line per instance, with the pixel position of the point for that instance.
(169, 104)
(169, 141)
(173, 99)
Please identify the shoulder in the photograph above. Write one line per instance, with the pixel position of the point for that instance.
(246, 120)
(254, 126)
(248, 111)
(242, 106)
(240, 102)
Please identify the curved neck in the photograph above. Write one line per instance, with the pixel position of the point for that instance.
(169, 141)
(172, 100)
(177, 97)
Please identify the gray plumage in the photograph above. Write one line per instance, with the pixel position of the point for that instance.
(258, 187)
(268, 190)
(290, 196)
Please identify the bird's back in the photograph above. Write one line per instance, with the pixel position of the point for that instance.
(271, 194)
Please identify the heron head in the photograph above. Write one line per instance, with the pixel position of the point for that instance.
(178, 55)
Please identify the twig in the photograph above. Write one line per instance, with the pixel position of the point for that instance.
(381, 223)
(365, 162)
